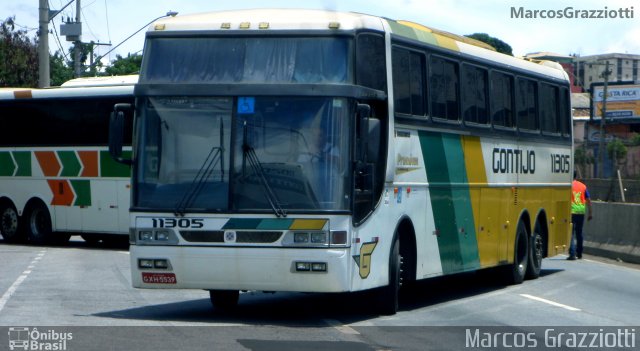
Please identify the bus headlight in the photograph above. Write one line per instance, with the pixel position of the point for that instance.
(156, 237)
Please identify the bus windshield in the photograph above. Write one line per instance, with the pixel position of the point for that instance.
(246, 60)
(267, 153)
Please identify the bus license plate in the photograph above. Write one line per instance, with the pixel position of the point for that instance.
(159, 278)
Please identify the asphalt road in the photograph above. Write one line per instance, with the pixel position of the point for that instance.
(85, 290)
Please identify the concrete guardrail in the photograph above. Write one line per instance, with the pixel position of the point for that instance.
(614, 231)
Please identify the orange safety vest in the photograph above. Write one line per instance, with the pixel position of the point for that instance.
(579, 197)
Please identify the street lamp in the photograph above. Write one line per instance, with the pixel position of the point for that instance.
(168, 14)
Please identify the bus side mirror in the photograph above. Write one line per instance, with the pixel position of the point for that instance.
(116, 132)
(369, 134)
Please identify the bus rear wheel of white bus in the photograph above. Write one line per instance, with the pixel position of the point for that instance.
(224, 300)
(9, 223)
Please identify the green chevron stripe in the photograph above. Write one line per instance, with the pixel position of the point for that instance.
(111, 168)
(7, 167)
(23, 159)
(71, 165)
(82, 188)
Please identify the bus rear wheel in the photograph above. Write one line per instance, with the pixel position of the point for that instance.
(224, 300)
(9, 223)
(38, 224)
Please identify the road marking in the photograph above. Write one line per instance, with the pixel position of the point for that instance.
(344, 329)
(12, 289)
(566, 307)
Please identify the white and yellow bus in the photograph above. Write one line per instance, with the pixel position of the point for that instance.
(56, 176)
(316, 151)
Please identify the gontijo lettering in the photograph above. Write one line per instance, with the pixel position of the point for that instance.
(513, 161)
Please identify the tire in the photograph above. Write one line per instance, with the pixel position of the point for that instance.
(517, 271)
(38, 224)
(389, 295)
(10, 223)
(536, 251)
(224, 300)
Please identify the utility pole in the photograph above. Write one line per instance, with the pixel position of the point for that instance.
(601, 150)
(77, 52)
(44, 79)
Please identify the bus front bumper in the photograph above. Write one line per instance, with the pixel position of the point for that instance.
(241, 268)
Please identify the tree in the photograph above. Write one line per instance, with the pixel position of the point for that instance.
(617, 151)
(123, 66)
(18, 56)
(498, 44)
(60, 70)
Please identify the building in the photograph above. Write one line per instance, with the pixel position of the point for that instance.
(589, 69)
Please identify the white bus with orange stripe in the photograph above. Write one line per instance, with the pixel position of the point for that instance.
(56, 176)
(317, 151)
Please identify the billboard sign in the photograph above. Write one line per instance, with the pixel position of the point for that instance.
(623, 101)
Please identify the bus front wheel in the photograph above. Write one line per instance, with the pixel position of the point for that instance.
(516, 272)
(389, 295)
(535, 254)
(224, 300)
(38, 224)
(9, 223)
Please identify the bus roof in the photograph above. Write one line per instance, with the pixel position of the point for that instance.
(101, 81)
(304, 19)
(65, 92)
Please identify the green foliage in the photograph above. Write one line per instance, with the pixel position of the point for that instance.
(18, 56)
(635, 141)
(60, 71)
(123, 66)
(617, 150)
(498, 44)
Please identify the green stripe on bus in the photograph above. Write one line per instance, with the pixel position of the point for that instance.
(110, 168)
(23, 160)
(461, 198)
(242, 223)
(275, 224)
(451, 205)
(82, 188)
(7, 167)
(70, 164)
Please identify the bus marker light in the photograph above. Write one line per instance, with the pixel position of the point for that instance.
(225, 25)
(245, 25)
(303, 266)
(334, 25)
(159, 27)
(161, 264)
(263, 25)
(319, 267)
(145, 263)
(339, 237)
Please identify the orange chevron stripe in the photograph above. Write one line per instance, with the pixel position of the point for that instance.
(48, 163)
(89, 160)
(62, 192)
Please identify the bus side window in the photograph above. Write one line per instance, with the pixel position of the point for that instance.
(371, 62)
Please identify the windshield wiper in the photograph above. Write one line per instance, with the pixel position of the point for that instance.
(214, 158)
(249, 153)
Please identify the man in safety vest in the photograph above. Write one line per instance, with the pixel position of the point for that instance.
(580, 205)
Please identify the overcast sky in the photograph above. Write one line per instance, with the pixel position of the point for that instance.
(112, 21)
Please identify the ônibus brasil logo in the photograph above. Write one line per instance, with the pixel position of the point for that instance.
(22, 338)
